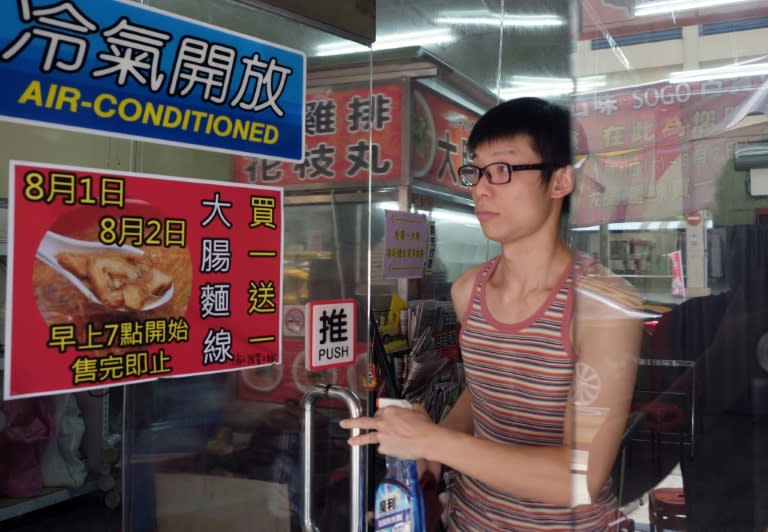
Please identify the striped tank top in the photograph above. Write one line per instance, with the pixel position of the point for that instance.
(519, 378)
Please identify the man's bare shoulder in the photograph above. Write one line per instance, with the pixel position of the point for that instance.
(467, 278)
(461, 289)
(602, 294)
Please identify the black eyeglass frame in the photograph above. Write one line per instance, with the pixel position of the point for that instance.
(511, 168)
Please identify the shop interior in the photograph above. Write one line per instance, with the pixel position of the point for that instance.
(204, 451)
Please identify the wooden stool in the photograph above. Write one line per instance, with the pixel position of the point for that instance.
(666, 509)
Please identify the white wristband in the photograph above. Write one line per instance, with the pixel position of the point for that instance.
(383, 402)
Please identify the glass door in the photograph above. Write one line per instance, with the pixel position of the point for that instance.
(668, 111)
(671, 131)
(669, 115)
(224, 451)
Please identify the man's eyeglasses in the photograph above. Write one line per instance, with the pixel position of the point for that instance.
(496, 173)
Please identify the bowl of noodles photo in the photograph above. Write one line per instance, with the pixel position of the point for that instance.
(423, 136)
(79, 280)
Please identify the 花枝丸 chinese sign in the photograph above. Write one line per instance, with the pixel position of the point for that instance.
(123, 69)
(116, 278)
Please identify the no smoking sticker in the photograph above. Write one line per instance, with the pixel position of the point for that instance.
(294, 320)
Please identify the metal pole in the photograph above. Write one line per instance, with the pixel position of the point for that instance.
(356, 453)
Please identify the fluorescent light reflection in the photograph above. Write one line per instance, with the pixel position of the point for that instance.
(642, 226)
(724, 72)
(486, 18)
(545, 86)
(453, 216)
(658, 7)
(436, 214)
(388, 42)
(590, 83)
(536, 86)
(629, 313)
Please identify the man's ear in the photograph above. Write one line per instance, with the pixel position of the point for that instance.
(562, 182)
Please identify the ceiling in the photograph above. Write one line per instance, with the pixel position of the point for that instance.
(475, 49)
(478, 48)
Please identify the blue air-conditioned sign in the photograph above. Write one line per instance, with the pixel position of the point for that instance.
(119, 68)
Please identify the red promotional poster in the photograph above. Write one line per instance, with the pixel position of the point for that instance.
(116, 278)
(337, 141)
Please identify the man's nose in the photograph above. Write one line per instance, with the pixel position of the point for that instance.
(483, 185)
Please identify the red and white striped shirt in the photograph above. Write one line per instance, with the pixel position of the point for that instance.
(519, 380)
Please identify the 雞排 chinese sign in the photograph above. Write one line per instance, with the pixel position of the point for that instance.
(116, 278)
(116, 67)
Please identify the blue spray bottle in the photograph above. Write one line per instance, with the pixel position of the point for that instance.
(399, 500)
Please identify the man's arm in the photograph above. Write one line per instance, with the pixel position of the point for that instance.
(607, 337)
(459, 419)
(460, 416)
(603, 389)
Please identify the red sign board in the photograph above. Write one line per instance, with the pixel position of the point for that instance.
(337, 140)
(440, 129)
(338, 136)
(658, 150)
(694, 218)
(116, 278)
(659, 114)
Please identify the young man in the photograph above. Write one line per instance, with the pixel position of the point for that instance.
(549, 343)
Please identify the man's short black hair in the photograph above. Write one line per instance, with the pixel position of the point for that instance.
(548, 125)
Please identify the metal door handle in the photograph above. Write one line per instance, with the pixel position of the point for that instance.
(329, 391)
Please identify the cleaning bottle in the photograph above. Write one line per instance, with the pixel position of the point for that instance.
(399, 500)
